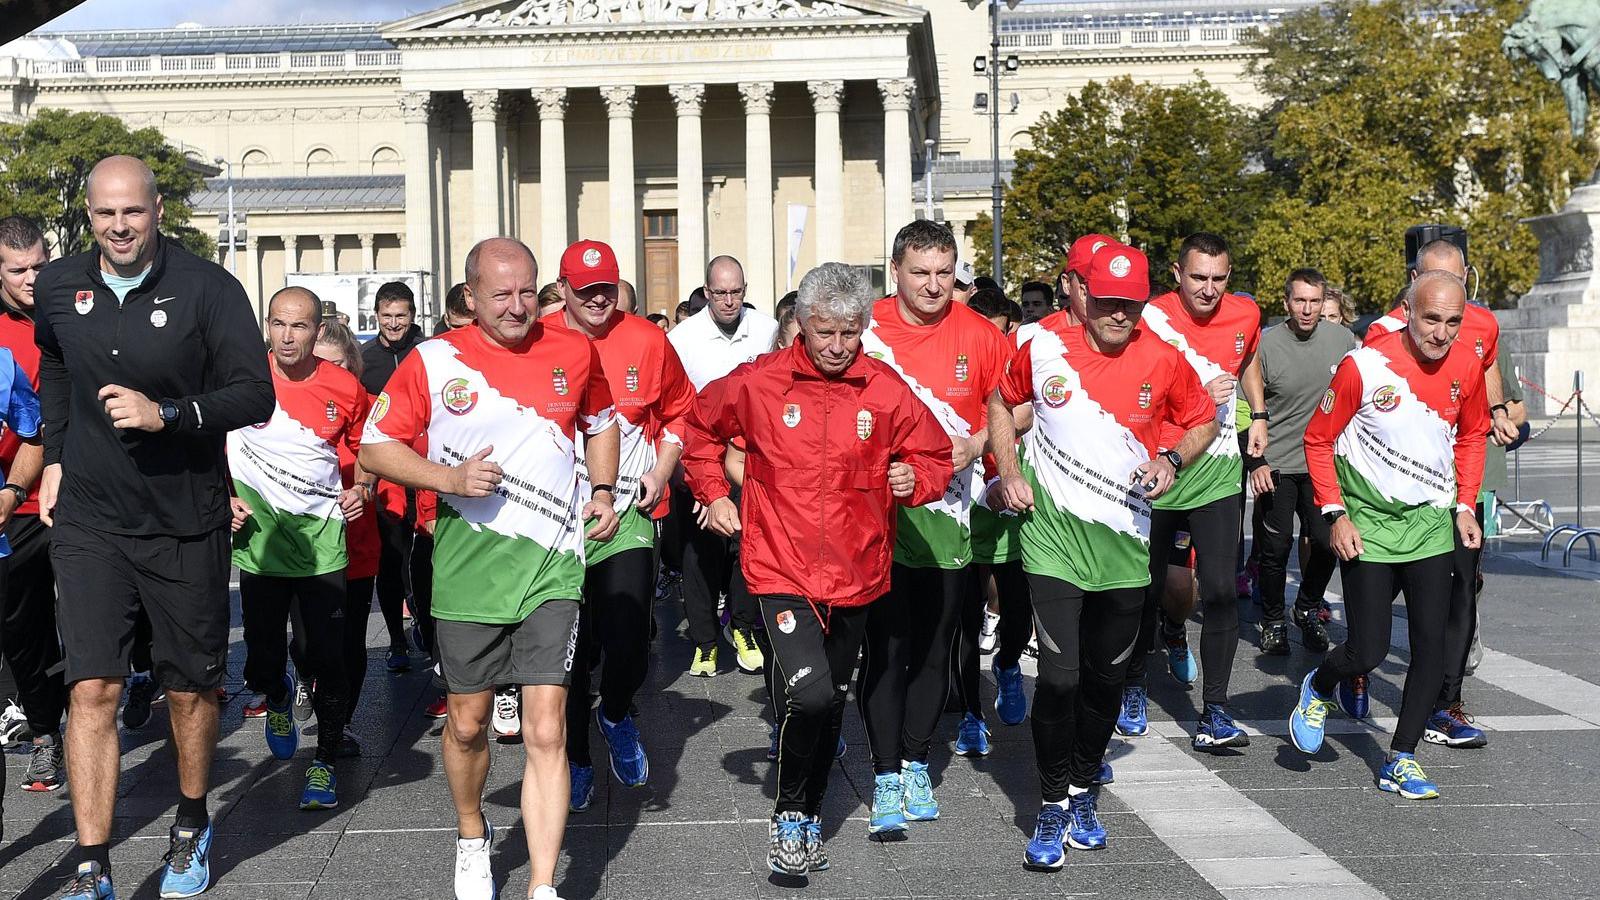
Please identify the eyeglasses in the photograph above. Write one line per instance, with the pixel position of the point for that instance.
(735, 292)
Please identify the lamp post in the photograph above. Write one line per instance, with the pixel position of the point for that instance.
(233, 243)
(996, 188)
(927, 181)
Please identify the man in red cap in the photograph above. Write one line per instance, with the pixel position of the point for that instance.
(836, 442)
(652, 394)
(1103, 393)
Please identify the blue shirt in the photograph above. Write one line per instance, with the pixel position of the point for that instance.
(20, 407)
(121, 285)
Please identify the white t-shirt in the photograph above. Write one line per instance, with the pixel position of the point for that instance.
(709, 354)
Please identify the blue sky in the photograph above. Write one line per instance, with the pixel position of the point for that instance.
(165, 13)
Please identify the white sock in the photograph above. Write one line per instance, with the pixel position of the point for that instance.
(1073, 791)
(1058, 803)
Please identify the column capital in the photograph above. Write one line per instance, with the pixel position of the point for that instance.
(897, 93)
(290, 241)
(401, 237)
(416, 106)
(552, 102)
(757, 96)
(366, 239)
(826, 96)
(689, 98)
(326, 239)
(483, 105)
(250, 242)
(619, 101)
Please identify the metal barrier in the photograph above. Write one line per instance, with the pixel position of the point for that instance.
(1539, 512)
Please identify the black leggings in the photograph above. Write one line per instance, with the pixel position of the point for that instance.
(1016, 613)
(422, 590)
(1290, 499)
(905, 676)
(1085, 641)
(711, 566)
(615, 618)
(357, 608)
(1463, 622)
(1369, 590)
(1214, 531)
(316, 607)
(28, 624)
(813, 666)
(1016, 626)
(394, 563)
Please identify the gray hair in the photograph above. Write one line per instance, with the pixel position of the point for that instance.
(834, 291)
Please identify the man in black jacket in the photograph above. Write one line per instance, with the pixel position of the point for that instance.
(149, 356)
(398, 333)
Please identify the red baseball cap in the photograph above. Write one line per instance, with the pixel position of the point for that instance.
(1082, 251)
(1120, 272)
(587, 263)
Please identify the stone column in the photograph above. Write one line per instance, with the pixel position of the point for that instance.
(369, 252)
(252, 276)
(444, 267)
(291, 253)
(552, 178)
(691, 188)
(485, 110)
(330, 253)
(624, 216)
(827, 97)
(506, 138)
(758, 266)
(898, 209)
(416, 107)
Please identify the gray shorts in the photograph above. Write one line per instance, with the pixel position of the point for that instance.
(474, 656)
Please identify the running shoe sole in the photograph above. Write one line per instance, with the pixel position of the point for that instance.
(1391, 786)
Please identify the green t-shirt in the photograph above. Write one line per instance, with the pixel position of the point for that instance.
(1296, 372)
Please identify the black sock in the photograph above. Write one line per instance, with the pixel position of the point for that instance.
(99, 853)
(192, 812)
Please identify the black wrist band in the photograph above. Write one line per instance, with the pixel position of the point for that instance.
(608, 488)
(1500, 406)
(19, 490)
(1262, 416)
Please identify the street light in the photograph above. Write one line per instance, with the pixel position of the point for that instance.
(927, 177)
(233, 243)
(992, 66)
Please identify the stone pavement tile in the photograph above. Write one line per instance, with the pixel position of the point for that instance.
(681, 887)
(21, 863)
(674, 850)
(388, 890)
(417, 857)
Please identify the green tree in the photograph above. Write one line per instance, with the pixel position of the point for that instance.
(1145, 162)
(1397, 112)
(44, 174)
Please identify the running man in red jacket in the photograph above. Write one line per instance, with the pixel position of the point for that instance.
(835, 439)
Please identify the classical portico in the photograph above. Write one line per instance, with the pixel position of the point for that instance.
(615, 116)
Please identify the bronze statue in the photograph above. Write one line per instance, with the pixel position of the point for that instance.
(1562, 38)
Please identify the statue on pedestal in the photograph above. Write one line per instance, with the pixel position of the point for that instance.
(1562, 38)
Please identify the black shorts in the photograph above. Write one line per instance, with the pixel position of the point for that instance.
(102, 580)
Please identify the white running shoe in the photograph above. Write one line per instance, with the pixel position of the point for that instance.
(989, 634)
(14, 725)
(544, 892)
(507, 716)
(474, 876)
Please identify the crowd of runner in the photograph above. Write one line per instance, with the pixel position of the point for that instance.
(858, 492)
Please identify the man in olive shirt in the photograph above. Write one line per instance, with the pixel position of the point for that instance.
(1297, 362)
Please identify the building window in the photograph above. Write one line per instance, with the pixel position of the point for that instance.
(252, 163)
(386, 161)
(319, 162)
(662, 225)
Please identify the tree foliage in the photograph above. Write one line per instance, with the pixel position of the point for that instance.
(44, 174)
(1144, 162)
(1381, 114)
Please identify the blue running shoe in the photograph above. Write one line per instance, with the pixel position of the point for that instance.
(1452, 727)
(283, 734)
(1180, 661)
(1134, 719)
(920, 804)
(628, 762)
(321, 791)
(1048, 849)
(582, 778)
(973, 738)
(1085, 832)
(888, 805)
(816, 856)
(1309, 717)
(1352, 695)
(1105, 775)
(1010, 703)
(1216, 730)
(88, 883)
(1403, 775)
(188, 870)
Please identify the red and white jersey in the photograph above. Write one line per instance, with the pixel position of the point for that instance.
(651, 392)
(1480, 331)
(1399, 445)
(952, 367)
(498, 557)
(1219, 345)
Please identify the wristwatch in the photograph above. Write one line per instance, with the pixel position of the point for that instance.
(169, 415)
(1262, 416)
(19, 490)
(1174, 457)
(608, 488)
(1333, 515)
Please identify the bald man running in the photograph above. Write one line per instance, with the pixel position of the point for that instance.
(149, 356)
